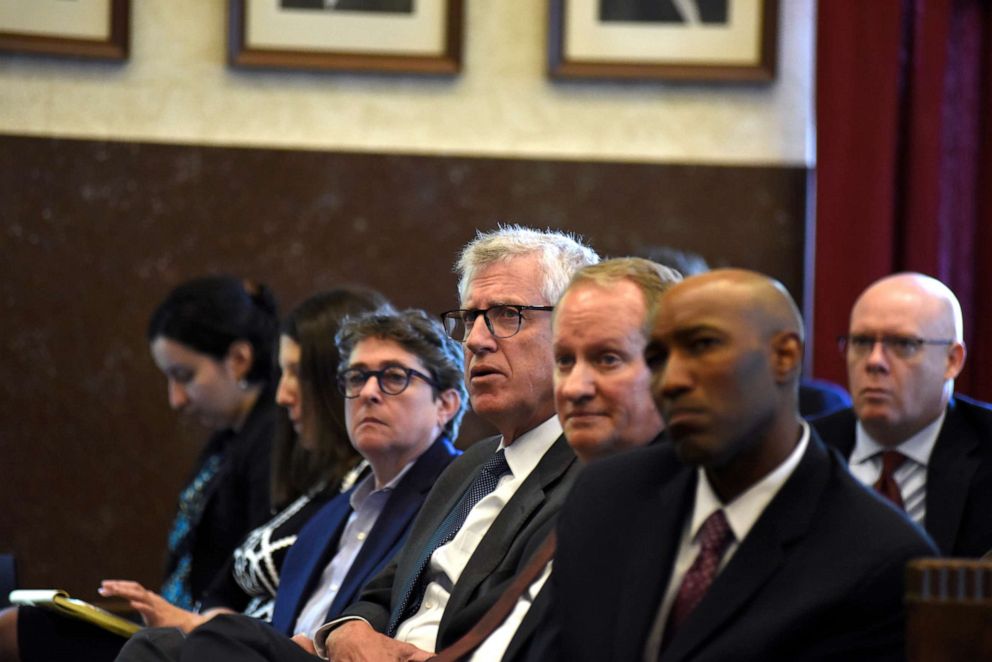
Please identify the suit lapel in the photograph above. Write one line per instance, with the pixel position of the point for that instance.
(949, 473)
(439, 503)
(760, 555)
(393, 522)
(504, 530)
(647, 568)
(308, 556)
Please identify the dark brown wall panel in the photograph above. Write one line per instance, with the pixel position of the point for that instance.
(93, 234)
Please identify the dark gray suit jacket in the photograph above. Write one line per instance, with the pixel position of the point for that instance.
(818, 577)
(500, 554)
(959, 475)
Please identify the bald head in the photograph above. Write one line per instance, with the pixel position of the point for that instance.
(926, 297)
(726, 350)
(904, 351)
(765, 303)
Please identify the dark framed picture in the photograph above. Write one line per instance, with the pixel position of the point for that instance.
(702, 40)
(75, 28)
(392, 36)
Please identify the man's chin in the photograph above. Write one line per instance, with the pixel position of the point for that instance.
(690, 450)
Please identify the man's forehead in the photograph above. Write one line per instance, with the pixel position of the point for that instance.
(683, 308)
(518, 280)
(900, 307)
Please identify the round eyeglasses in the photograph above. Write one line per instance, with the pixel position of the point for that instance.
(392, 380)
(860, 345)
(503, 321)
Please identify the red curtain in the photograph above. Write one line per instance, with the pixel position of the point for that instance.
(904, 163)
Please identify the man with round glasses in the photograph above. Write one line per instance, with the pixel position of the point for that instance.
(926, 450)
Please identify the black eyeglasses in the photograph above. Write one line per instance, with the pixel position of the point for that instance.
(503, 320)
(393, 380)
(860, 345)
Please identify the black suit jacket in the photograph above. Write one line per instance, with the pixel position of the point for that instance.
(959, 475)
(500, 553)
(819, 576)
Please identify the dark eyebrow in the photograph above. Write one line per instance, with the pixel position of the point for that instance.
(392, 363)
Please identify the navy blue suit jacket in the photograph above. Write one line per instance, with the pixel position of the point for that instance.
(318, 540)
(959, 475)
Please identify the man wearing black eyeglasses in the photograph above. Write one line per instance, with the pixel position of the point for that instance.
(476, 525)
(926, 450)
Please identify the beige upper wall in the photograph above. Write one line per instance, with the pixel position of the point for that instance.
(176, 87)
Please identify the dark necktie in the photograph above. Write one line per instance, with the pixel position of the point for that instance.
(714, 538)
(485, 482)
(886, 484)
(494, 618)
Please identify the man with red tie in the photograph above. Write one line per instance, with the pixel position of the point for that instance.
(743, 538)
(927, 451)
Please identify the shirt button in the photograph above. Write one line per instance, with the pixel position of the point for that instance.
(361, 535)
(334, 587)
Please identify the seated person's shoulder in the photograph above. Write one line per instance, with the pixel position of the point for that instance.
(977, 412)
(868, 523)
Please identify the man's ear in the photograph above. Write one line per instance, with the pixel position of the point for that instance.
(955, 360)
(239, 360)
(787, 356)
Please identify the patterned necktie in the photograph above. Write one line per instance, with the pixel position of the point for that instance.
(714, 538)
(484, 483)
(886, 484)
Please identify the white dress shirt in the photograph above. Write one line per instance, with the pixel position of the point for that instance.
(449, 560)
(367, 504)
(495, 645)
(741, 514)
(911, 476)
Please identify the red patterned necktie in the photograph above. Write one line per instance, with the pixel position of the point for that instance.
(714, 538)
(886, 483)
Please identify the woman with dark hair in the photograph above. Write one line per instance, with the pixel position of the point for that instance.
(314, 462)
(402, 378)
(213, 340)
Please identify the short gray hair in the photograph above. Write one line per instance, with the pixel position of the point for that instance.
(561, 254)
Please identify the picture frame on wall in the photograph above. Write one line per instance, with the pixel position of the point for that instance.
(679, 40)
(97, 29)
(386, 36)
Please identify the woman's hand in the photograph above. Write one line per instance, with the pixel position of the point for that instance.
(154, 609)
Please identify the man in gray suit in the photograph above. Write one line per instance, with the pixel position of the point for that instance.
(427, 598)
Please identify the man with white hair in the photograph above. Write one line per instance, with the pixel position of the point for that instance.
(926, 450)
(475, 526)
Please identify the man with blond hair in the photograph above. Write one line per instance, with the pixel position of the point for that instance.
(603, 400)
(926, 450)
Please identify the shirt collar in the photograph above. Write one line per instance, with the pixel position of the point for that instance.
(745, 510)
(917, 448)
(528, 449)
(366, 487)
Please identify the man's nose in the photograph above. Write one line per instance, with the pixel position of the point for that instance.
(579, 382)
(877, 360)
(479, 339)
(671, 379)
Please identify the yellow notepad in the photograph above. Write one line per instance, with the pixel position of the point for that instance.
(60, 601)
